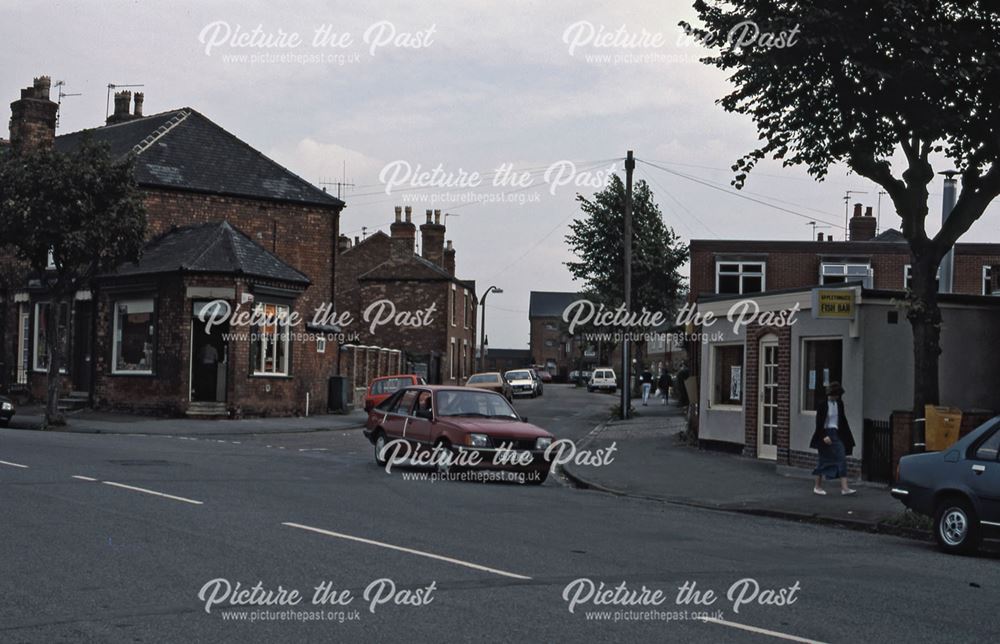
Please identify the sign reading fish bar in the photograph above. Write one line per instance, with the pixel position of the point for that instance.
(835, 304)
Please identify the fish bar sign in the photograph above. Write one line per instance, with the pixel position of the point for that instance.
(835, 304)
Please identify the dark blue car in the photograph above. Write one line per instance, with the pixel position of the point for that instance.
(959, 487)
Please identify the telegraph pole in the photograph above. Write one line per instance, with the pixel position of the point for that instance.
(627, 233)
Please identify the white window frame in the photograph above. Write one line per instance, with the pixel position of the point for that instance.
(451, 359)
(282, 333)
(743, 272)
(987, 275)
(114, 339)
(452, 304)
(321, 343)
(908, 275)
(465, 308)
(804, 367)
(868, 279)
(711, 377)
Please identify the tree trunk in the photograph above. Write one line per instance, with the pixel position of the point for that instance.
(55, 342)
(925, 320)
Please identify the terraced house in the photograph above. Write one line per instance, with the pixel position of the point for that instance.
(225, 223)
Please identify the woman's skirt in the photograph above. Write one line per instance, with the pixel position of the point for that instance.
(832, 461)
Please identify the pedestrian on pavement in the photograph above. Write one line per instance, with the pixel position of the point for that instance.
(832, 439)
(664, 385)
(647, 383)
(682, 376)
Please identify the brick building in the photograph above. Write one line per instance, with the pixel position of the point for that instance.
(503, 360)
(759, 385)
(224, 223)
(431, 313)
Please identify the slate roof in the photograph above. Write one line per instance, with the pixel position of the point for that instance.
(414, 267)
(184, 150)
(550, 304)
(890, 235)
(209, 248)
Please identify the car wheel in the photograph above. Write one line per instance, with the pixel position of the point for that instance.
(956, 526)
(444, 468)
(379, 444)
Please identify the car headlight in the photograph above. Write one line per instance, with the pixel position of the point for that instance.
(7, 406)
(478, 440)
(542, 443)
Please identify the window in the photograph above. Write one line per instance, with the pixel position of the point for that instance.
(269, 345)
(454, 303)
(739, 277)
(988, 288)
(405, 403)
(465, 357)
(134, 334)
(465, 308)
(908, 277)
(451, 359)
(41, 334)
(727, 376)
(831, 273)
(823, 361)
(987, 450)
(550, 342)
(321, 344)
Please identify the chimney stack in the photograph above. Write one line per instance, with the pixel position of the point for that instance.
(862, 226)
(449, 258)
(432, 238)
(343, 243)
(123, 100)
(137, 102)
(403, 235)
(33, 117)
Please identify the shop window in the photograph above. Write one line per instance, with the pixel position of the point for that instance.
(908, 277)
(270, 346)
(833, 273)
(823, 363)
(41, 334)
(739, 277)
(134, 334)
(727, 375)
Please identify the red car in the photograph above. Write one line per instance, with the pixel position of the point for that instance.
(381, 388)
(462, 421)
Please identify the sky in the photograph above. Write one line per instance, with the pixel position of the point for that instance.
(380, 94)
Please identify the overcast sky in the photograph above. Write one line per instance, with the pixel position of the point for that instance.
(467, 89)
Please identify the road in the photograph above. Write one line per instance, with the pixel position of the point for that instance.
(111, 538)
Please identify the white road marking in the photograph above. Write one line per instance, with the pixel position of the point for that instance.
(761, 631)
(153, 492)
(83, 478)
(13, 464)
(382, 544)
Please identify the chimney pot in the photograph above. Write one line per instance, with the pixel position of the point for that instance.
(437, 216)
(409, 211)
(819, 237)
(41, 85)
(857, 210)
(868, 212)
(430, 214)
(137, 111)
(399, 214)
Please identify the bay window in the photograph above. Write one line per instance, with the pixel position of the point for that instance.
(134, 328)
(270, 345)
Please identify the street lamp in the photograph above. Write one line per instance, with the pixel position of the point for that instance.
(482, 326)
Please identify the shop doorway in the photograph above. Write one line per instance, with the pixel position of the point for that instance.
(209, 359)
(767, 407)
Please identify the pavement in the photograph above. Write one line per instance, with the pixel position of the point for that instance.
(652, 461)
(97, 422)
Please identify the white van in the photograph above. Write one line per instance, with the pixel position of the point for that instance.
(603, 379)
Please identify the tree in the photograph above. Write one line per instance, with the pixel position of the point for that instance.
(68, 217)
(657, 253)
(873, 85)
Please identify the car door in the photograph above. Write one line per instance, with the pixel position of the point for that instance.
(982, 476)
(398, 416)
(418, 430)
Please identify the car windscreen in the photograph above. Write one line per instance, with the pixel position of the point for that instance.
(518, 375)
(483, 377)
(473, 403)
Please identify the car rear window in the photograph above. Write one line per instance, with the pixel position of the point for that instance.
(518, 375)
(483, 377)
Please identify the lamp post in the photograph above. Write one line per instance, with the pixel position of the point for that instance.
(482, 326)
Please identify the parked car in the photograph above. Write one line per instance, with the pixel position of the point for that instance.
(544, 375)
(492, 381)
(6, 410)
(522, 383)
(459, 419)
(381, 388)
(539, 387)
(959, 487)
(603, 380)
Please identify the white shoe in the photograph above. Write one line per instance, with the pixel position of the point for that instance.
(848, 492)
(819, 491)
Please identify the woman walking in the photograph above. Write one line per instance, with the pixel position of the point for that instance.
(833, 440)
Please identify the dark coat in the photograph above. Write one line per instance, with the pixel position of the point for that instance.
(844, 430)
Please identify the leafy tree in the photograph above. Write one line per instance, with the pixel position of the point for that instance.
(886, 88)
(68, 217)
(657, 253)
